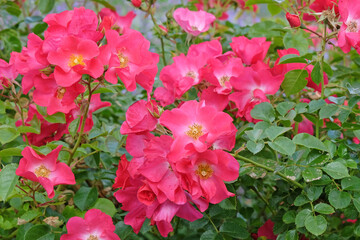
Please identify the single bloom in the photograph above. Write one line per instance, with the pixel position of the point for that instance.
(349, 34)
(112, 20)
(95, 225)
(140, 117)
(45, 169)
(193, 22)
(131, 64)
(196, 127)
(203, 174)
(8, 73)
(75, 57)
(250, 51)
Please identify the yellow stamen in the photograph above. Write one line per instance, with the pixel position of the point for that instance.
(204, 171)
(223, 80)
(60, 92)
(124, 61)
(76, 60)
(195, 131)
(191, 74)
(352, 27)
(92, 237)
(42, 171)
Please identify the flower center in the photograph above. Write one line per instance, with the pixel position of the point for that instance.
(195, 131)
(191, 74)
(60, 92)
(123, 60)
(42, 171)
(204, 171)
(352, 26)
(194, 28)
(76, 60)
(223, 80)
(92, 237)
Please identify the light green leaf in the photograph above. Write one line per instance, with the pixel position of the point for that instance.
(307, 140)
(339, 199)
(324, 208)
(316, 224)
(336, 170)
(8, 180)
(294, 81)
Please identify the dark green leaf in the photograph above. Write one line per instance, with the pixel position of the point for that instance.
(336, 170)
(328, 111)
(316, 224)
(263, 111)
(36, 232)
(7, 133)
(294, 81)
(311, 174)
(307, 140)
(292, 58)
(316, 74)
(233, 228)
(324, 208)
(301, 216)
(289, 217)
(8, 180)
(106, 206)
(339, 199)
(351, 183)
(58, 117)
(85, 197)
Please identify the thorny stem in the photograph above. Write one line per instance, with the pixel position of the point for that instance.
(268, 169)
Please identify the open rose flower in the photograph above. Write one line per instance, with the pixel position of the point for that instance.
(45, 169)
(95, 225)
(193, 22)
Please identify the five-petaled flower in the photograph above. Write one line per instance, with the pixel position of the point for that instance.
(45, 169)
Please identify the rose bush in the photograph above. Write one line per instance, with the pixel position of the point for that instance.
(234, 119)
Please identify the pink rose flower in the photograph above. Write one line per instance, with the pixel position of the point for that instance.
(45, 169)
(193, 22)
(95, 225)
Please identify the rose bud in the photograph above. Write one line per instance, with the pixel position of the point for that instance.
(136, 3)
(293, 20)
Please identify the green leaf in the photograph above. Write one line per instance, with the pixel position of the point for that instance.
(289, 217)
(30, 215)
(45, 6)
(211, 235)
(85, 197)
(74, 126)
(28, 129)
(311, 174)
(253, 2)
(106, 206)
(316, 224)
(7, 133)
(324, 208)
(274, 9)
(255, 147)
(294, 81)
(328, 111)
(254, 134)
(292, 235)
(106, 4)
(283, 145)
(301, 216)
(339, 199)
(313, 193)
(316, 74)
(9, 152)
(263, 111)
(36, 232)
(284, 107)
(234, 228)
(8, 180)
(228, 204)
(298, 40)
(292, 58)
(307, 140)
(336, 170)
(316, 105)
(356, 202)
(274, 131)
(301, 200)
(112, 144)
(12, 8)
(58, 117)
(351, 183)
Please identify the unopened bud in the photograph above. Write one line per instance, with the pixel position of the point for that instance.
(136, 3)
(293, 20)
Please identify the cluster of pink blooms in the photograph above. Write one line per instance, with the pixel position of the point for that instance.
(53, 69)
